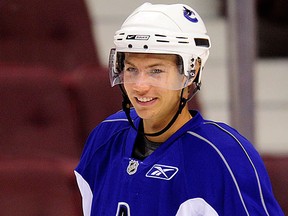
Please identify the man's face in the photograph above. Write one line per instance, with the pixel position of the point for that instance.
(146, 79)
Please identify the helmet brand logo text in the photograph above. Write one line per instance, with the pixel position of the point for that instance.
(138, 37)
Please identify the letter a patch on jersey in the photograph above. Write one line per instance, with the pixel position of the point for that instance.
(162, 172)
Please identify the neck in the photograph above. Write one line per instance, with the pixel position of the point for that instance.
(152, 127)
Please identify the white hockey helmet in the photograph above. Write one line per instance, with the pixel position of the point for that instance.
(162, 29)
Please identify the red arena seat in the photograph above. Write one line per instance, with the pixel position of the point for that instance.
(35, 114)
(277, 167)
(93, 96)
(56, 34)
(38, 187)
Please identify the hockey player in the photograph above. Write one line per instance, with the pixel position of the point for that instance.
(156, 157)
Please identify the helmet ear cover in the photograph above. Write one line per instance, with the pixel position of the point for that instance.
(198, 70)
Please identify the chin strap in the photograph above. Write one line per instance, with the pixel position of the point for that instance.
(195, 91)
(126, 105)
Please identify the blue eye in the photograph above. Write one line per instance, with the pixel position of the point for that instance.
(156, 71)
(131, 69)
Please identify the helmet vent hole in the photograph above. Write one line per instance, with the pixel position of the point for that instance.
(202, 42)
(182, 37)
(130, 46)
(162, 41)
(159, 35)
(145, 46)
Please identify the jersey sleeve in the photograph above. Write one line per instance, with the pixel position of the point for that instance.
(247, 187)
(230, 174)
(84, 174)
(93, 162)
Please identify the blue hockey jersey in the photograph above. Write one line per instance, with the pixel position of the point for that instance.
(205, 168)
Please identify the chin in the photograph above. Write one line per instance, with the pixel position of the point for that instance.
(144, 114)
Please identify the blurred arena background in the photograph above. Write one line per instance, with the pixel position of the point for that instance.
(55, 90)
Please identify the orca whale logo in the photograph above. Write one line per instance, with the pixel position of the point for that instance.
(190, 15)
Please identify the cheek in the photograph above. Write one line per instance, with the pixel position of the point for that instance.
(172, 97)
(127, 88)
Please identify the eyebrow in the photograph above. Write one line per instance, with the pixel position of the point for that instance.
(149, 66)
(127, 62)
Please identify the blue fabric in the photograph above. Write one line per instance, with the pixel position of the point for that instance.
(203, 159)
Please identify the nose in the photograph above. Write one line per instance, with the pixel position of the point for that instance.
(142, 82)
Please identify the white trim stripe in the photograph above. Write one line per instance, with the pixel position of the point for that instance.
(86, 194)
(114, 120)
(196, 206)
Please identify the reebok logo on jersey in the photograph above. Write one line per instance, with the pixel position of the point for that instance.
(162, 172)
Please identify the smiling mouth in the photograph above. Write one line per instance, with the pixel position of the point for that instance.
(144, 99)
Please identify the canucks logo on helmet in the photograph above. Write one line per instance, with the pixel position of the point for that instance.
(190, 15)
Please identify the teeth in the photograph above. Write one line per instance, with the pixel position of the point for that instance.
(145, 99)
